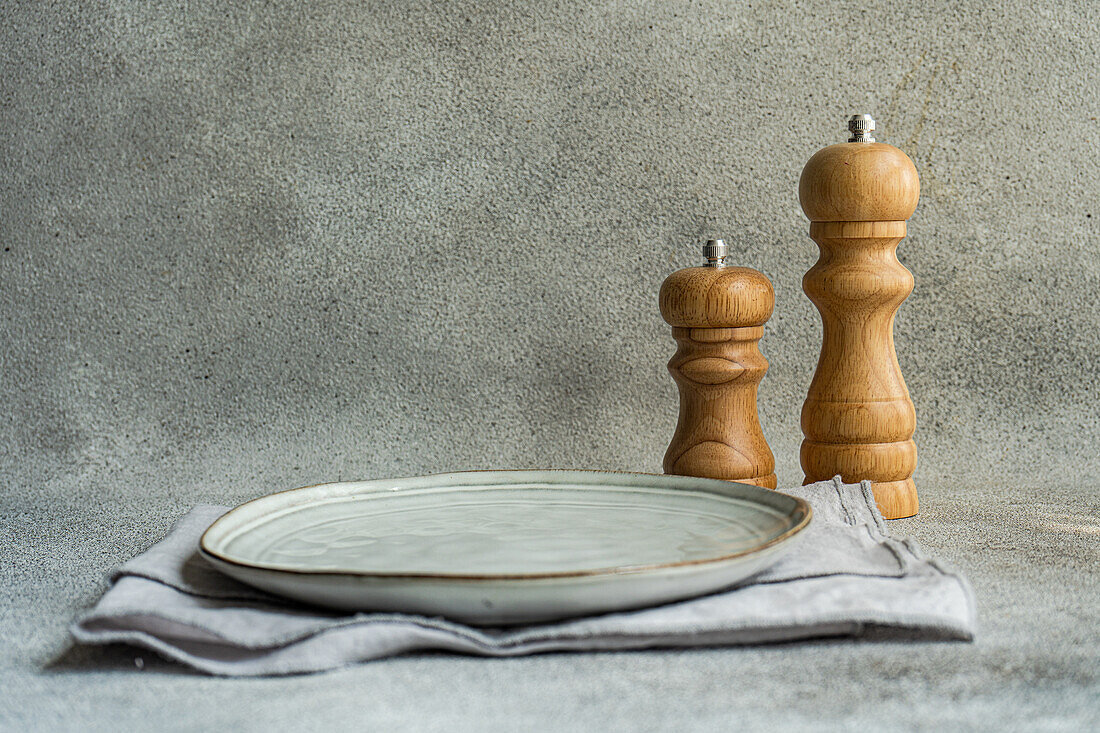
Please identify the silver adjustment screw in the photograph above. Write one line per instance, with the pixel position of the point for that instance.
(862, 128)
(715, 250)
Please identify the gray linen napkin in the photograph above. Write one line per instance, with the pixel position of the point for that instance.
(846, 576)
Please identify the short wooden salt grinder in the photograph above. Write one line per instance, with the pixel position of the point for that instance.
(858, 419)
(717, 314)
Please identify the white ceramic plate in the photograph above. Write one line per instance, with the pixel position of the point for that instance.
(501, 547)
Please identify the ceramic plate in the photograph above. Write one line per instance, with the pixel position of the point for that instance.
(501, 547)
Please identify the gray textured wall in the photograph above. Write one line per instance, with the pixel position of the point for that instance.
(250, 248)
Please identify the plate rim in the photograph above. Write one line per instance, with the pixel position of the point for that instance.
(801, 505)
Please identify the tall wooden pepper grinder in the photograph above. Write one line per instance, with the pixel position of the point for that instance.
(858, 419)
(717, 314)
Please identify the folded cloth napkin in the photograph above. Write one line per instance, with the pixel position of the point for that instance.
(846, 576)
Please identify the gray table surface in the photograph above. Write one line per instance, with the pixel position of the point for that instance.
(1031, 551)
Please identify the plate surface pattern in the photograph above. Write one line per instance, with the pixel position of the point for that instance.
(529, 530)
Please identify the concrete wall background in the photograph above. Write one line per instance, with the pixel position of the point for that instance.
(251, 248)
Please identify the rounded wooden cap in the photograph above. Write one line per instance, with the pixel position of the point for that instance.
(717, 297)
(859, 182)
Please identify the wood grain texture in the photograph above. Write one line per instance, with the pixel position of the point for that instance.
(858, 419)
(717, 297)
(859, 182)
(717, 316)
